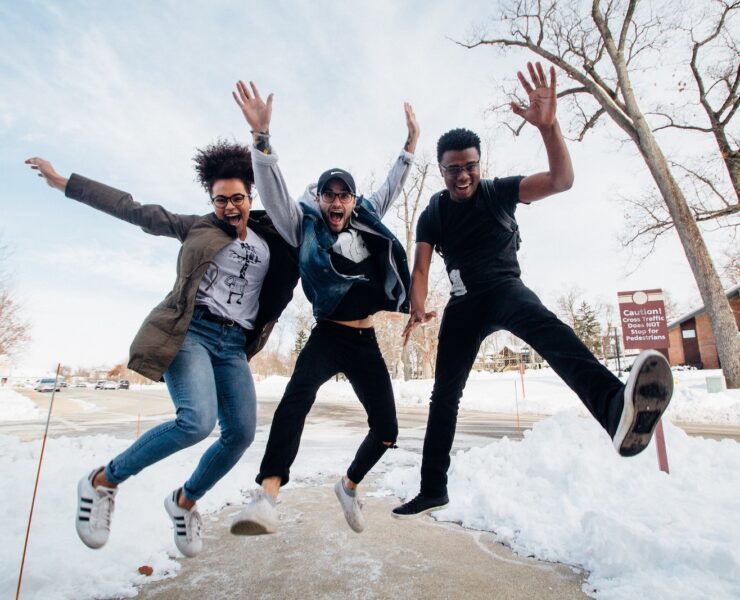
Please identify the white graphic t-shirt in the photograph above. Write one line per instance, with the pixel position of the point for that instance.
(351, 245)
(231, 287)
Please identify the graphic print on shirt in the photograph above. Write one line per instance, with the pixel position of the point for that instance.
(458, 287)
(351, 246)
(238, 283)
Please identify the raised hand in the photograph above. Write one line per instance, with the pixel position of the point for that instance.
(542, 97)
(256, 111)
(413, 126)
(46, 171)
(416, 318)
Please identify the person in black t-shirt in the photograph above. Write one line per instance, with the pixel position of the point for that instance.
(472, 225)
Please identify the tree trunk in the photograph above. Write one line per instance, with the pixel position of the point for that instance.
(716, 304)
(407, 366)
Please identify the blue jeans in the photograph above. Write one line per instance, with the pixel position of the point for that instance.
(208, 379)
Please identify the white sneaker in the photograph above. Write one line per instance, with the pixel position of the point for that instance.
(258, 517)
(95, 507)
(188, 525)
(351, 505)
(646, 396)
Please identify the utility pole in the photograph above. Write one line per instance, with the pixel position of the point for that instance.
(616, 347)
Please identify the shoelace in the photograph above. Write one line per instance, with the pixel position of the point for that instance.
(193, 526)
(414, 502)
(102, 509)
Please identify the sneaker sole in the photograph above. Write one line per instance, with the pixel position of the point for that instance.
(651, 392)
(420, 513)
(250, 528)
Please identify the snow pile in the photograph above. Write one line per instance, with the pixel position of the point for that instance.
(563, 494)
(16, 407)
(691, 403)
(543, 393)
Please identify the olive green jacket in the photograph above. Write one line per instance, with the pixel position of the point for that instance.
(202, 236)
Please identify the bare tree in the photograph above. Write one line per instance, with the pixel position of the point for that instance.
(566, 305)
(731, 266)
(14, 329)
(601, 50)
(121, 371)
(413, 198)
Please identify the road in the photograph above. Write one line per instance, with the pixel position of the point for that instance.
(123, 413)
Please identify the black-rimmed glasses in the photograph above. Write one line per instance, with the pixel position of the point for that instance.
(343, 197)
(456, 170)
(235, 199)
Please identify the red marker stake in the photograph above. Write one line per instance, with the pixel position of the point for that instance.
(36, 486)
(660, 447)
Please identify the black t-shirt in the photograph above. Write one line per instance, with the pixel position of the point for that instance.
(359, 253)
(478, 250)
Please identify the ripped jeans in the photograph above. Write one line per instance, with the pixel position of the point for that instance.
(333, 348)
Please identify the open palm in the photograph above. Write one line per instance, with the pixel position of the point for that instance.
(542, 97)
(256, 111)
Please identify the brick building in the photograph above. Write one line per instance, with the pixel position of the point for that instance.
(691, 339)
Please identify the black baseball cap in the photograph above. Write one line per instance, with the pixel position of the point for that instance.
(340, 174)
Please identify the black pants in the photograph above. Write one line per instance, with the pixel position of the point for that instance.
(333, 348)
(510, 305)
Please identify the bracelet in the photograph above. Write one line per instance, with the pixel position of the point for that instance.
(253, 132)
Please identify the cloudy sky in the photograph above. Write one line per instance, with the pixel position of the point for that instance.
(124, 93)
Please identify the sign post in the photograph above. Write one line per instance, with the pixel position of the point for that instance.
(521, 374)
(644, 327)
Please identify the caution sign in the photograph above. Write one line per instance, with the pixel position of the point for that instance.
(644, 324)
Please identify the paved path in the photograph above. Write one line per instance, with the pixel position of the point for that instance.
(314, 554)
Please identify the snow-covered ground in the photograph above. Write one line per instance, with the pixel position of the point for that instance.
(15, 407)
(560, 494)
(544, 394)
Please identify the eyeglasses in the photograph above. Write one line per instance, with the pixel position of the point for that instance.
(343, 197)
(456, 170)
(235, 199)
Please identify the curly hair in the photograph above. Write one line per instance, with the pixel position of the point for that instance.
(223, 160)
(457, 139)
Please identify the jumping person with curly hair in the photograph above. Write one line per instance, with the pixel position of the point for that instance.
(235, 275)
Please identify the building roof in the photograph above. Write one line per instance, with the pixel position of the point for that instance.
(731, 293)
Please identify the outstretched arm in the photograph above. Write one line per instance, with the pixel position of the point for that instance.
(541, 113)
(152, 218)
(384, 197)
(419, 289)
(286, 215)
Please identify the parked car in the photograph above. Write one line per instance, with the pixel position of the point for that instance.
(99, 384)
(110, 385)
(46, 385)
(123, 384)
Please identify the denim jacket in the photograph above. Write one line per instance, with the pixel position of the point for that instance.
(323, 285)
(302, 225)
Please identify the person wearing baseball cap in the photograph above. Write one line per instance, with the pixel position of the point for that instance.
(351, 267)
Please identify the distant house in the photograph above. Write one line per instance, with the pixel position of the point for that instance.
(691, 338)
(508, 359)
